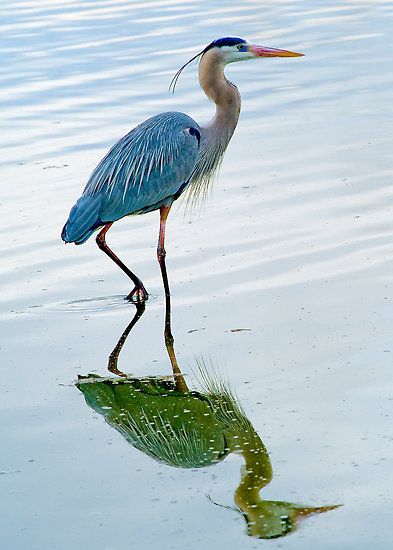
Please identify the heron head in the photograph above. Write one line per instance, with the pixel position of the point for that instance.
(230, 49)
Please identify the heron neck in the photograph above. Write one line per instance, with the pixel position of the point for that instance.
(224, 94)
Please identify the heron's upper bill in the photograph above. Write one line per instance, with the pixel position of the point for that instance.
(263, 51)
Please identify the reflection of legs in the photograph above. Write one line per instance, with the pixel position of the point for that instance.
(169, 343)
(114, 356)
(169, 340)
(139, 293)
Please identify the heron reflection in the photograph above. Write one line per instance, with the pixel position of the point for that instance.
(186, 428)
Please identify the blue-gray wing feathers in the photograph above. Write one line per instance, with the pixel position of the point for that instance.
(146, 168)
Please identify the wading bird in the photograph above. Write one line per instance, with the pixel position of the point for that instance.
(151, 166)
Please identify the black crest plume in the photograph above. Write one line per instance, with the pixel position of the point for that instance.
(218, 43)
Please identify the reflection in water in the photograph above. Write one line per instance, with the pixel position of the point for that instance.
(192, 429)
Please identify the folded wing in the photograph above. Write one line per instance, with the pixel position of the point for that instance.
(148, 167)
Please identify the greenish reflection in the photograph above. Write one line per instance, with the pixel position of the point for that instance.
(186, 428)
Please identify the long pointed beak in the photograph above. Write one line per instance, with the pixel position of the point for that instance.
(263, 51)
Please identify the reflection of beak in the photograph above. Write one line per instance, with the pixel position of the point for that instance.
(262, 51)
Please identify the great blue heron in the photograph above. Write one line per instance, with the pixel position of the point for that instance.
(151, 166)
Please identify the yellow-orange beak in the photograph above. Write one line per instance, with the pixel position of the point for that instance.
(263, 51)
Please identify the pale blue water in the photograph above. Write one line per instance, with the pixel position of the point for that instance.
(295, 245)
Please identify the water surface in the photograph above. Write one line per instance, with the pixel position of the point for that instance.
(295, 246)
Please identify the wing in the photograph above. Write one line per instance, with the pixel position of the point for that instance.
(146, 167)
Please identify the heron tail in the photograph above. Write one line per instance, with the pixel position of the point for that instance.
(83, 220)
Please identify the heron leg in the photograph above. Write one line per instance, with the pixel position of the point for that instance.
(161, 253)
(180, 383)
(139, 293)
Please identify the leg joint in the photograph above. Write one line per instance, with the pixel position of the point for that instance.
(169, 340)
(100, 239)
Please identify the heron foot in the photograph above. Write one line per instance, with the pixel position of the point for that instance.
(138, 295)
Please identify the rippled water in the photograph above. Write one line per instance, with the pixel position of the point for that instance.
(295, 246)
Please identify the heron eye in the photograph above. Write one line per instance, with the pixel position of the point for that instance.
(240, 47)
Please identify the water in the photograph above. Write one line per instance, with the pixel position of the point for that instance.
(295, 246)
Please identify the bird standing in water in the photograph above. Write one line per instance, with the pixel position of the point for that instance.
(168, 154)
